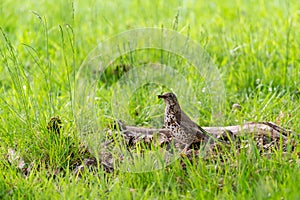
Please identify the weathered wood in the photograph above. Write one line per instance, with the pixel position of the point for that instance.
(267, 136)
(256, 128)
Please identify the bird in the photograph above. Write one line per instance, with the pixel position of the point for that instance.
(182, 128)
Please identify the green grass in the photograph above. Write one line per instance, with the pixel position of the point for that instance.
(255, 44)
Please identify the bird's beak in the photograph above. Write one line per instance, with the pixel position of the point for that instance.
(161, 96)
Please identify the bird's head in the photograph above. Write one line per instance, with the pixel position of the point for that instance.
(169, 97)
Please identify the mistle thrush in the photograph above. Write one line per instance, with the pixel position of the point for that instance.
(183, 129)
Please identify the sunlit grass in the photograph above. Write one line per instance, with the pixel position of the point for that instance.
(43, 44)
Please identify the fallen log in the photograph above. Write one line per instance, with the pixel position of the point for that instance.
(266, 134)
(255, 128)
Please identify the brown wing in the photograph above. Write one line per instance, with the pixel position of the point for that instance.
(193, 127)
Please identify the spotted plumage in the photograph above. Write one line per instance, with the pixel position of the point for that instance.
(179, 124)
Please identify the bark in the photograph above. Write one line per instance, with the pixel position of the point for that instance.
(257, 129)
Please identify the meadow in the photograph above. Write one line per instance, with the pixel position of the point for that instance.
(43, 44)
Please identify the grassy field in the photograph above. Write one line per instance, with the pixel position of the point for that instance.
(254, 44)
